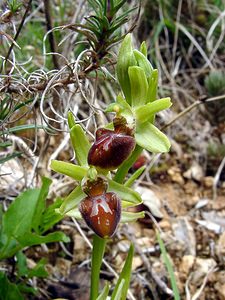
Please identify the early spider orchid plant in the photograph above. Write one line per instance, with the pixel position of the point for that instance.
(102, 197)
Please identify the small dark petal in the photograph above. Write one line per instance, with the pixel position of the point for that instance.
(110, 151)
(95, 187)
(102, 213)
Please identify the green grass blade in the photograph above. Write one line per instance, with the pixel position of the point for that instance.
(124, 275)
(104, 293)
(169, 267)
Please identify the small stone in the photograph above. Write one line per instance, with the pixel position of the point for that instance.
(221, 290)
(175, 175)
(208, 181)
(136, 263)
(202, 268)
(186, 265)
(220, 248)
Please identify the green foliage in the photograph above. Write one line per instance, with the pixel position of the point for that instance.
(215, 83)
(22, 222)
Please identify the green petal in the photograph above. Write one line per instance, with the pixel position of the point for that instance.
(139, 86)
(131, 217)
(72, 200)
(144, 113)
(80, 144)
(143, 48)
(71, 170)
(151, 138)
(125, 193)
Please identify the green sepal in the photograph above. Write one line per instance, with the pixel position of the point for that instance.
(127, 217)
(68, 169)
(151, 138)
(143, 49)
(75, 213)
(144, 113)
(80, 144)
(152, 86)
(139, 86)
(143, 63)
(125, 60)
(72, 200)
(125, 193)
(71, 121)
(124, 275)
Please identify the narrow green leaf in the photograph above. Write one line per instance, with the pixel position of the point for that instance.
(139, 86)
(5, 144)
(41, 204)
(131, 217)
(168, 266)
(152, 86)
(151, 138)
(143, 63)
(146, 112)
(10, 156)
(125, 60)
(31, 239)
(96, 262)
(125, 274)
(134, 176)
(119, 290)
(71, 170)
(39, 270)
(125, 193)
(80, 144)
(104, 293)
(72, 200)
(21, 128)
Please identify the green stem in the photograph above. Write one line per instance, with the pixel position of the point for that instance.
(124, 168)
(96, 262)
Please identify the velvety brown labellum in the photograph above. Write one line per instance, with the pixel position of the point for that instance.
(110, 149)
(102, 213)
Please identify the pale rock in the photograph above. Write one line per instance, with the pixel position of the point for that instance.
(175, 175)
(136, 263)
(195, 172)
(220, 247)
(208, 181)
(221, 290)
(202, 267)
(186, 264)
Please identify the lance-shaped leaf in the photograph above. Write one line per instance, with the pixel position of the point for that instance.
(151, 138)
(119, 290)
(124, 275)
(139, 86)
(80, 144)
(126, 59)
(72, 200)
(143, 63)
(143, 48)
(127, 217)
(152, 86)
(71, 121)
(144, 113)
(125, 193)
(71, 170)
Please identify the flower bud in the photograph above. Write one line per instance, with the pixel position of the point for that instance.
(102, 213)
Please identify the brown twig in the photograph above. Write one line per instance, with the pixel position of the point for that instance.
(51, 37)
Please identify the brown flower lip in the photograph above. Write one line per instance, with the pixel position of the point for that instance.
(102, 213)
(110, 149)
